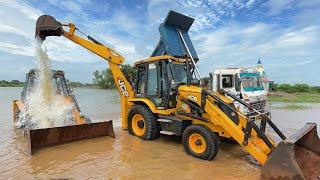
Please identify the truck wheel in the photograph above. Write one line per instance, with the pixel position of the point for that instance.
(143, 123)
(200, 142)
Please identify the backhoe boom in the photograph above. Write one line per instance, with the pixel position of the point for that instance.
(48, 26)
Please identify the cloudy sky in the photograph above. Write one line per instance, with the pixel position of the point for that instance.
(285, 34)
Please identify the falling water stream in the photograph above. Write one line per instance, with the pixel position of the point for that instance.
(45, 108)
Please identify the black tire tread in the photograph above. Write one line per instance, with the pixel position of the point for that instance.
(211, 139)
(152, 125)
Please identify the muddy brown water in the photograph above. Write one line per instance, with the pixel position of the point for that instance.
(125, 157)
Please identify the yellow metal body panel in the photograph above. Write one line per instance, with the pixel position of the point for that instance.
(16, 106)
(220, 123)
(149, 104)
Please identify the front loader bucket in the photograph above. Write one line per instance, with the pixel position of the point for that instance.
(48, 26)
(295, 158)
(39, 138)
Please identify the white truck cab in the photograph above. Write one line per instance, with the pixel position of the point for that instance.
(245, 83)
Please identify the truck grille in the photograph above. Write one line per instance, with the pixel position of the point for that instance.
(259, 105)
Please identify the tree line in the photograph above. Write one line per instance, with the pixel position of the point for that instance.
(13, 83)
(295, 88)
(104, 80)
(17, 83)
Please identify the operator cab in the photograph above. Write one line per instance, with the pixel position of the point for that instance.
(158, 79)
(59, 83)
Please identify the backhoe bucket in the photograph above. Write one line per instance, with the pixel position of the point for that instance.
(39, 138)
(48, 26)
(295, 158)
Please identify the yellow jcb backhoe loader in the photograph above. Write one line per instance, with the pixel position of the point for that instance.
(168, 99)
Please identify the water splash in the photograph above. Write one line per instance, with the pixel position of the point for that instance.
(45, 108)
(44, 73)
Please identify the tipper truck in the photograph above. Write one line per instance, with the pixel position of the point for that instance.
(245, 83)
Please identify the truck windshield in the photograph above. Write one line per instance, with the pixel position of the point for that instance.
(251, 82)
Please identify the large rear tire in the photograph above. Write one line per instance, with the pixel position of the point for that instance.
(143, 123)
(200, 142)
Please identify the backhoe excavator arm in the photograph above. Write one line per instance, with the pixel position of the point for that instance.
(49, 26)
(114, 59)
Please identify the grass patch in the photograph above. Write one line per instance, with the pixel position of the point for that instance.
(294, 97)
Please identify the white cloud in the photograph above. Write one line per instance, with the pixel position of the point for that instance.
(74, 6)
(237, 45)
(309, 3)
(277, 6)
(20, 23)
(27, 11)
(221, 39)
(16, 49)
(10, 29)
(303, 63)
(206, 12)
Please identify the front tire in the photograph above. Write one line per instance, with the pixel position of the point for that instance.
(143, 123)
(200, 142)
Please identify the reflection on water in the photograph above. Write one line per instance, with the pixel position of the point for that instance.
(125, 156)
(291, 120)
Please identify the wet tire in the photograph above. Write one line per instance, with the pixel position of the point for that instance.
(200, 142)
(143, 123)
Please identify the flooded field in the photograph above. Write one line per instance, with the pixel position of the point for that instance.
(125, 157)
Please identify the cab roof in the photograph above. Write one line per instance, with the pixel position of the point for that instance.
(32, 72)
(158, 58)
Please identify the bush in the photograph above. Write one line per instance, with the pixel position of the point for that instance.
(315, 89)
(296, 88)
(13, 83)
(301, 88)
(285, 88)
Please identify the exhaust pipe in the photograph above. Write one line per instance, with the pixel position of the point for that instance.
(295, 158)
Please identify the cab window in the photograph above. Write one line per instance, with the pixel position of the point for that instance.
(152, 80)
(141, 83)
(237, 83)
(227, 81)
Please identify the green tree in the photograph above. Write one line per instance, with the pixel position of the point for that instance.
(285, 88)
(13, 83)
(315, 89)
(104, 79)
(205, 81)
(301, 88)
(4, 83)
(273, 86)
